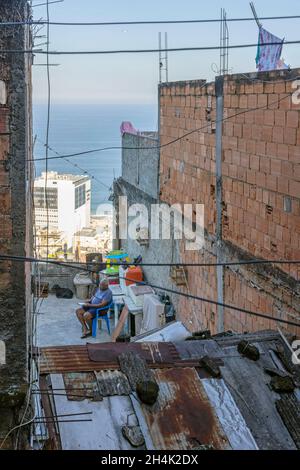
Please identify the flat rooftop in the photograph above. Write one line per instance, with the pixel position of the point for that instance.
(57, 324)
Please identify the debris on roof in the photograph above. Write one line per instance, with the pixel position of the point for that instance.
(209, 395)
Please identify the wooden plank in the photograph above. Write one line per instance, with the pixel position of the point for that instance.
(121, 323)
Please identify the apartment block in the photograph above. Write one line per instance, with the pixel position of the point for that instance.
(62, 201)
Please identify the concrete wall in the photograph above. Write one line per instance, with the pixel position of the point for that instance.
(158, 251)
(61, 275)
(140, 165)
(140, 184)
(15, 211)
(246, 207)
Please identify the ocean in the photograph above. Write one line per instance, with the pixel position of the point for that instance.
(76, 128)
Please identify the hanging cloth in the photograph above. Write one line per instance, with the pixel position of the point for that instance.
(268, 56)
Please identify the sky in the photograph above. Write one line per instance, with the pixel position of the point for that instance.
(133, 79)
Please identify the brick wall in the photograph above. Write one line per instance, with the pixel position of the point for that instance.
(260, 192)
(15, 213)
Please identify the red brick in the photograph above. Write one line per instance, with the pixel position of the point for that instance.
(271, 182)
(261, 179)
(262, 100)
(271, 149)
(273, 101)
(4, 147)
(294, 188)
(283, 151)
(5, 201)
(279, 87)
(4, 119)
(267, 134)
(261, 148)
(280, 118)
(278, 135)
(259, 117)
(287, 168)
(245, 160)
(268, 88)
(269, 117)
(294, 153)
(296, 171)
(275, 167)
(293, 119)
(5, 227)
(283, 185)
(256, 132)
(290, 136)
(285, 101)
(252, 101)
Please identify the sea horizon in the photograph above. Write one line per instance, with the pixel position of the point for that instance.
(77, 127)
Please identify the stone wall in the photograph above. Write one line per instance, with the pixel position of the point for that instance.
(15, 207)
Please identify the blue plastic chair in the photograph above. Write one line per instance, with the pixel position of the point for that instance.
(104, 317)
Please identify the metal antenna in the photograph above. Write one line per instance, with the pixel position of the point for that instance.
(166, 57)
(224, 43)
(163, 59)
(160, 63)
(255, 15)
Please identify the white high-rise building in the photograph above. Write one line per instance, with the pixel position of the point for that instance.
(68, 198)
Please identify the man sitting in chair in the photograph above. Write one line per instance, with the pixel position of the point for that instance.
(85, 314)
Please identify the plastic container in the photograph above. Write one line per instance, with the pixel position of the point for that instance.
(117, 256)
(135, 274)
(82, 283)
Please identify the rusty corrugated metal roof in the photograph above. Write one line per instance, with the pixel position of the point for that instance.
(80, 385)
(183, 417)
(60, 359)
(152, 352)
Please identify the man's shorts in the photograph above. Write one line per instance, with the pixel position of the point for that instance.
(93, 311)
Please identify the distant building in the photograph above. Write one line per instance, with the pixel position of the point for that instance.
(68, 198)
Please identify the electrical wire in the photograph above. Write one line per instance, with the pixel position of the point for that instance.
(149, 22)
(198, 265)
(75, 165)
(194, 297)
(144, 51)
(158, 147)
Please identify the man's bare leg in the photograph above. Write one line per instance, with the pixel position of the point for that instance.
(88, 318)
(80, 315)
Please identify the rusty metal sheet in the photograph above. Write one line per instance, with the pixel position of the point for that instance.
(80, 385)
(183, 417)
(151, 352)
(112, 382)
(55, 360)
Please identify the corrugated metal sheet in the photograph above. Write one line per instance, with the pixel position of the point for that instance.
(104, 432)
(61, 359)
(232, 421)
(183, 417)
(152, 352)
(198, 349)
(80, 385)
(112, 383)
(249, 385)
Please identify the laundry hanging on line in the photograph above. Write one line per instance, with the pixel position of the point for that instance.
(269, 51)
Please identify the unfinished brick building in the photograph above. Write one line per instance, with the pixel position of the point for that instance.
(15, 213)
(244, 166)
